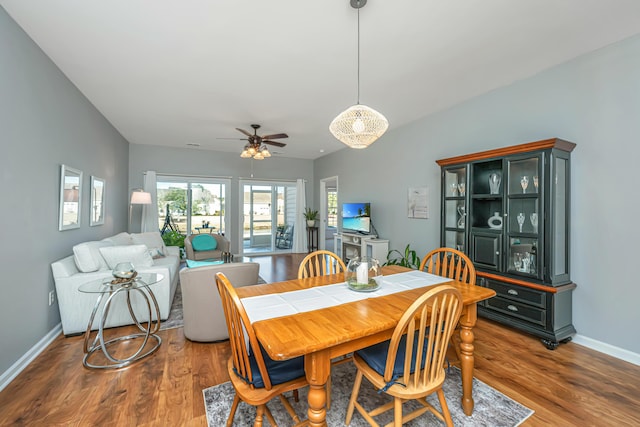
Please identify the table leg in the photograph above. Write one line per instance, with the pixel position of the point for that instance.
(467, 322)
(317, 367)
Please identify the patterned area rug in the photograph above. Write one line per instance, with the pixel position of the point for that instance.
(175, 314)
(492, 408)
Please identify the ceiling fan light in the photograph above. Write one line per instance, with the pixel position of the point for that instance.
(358, 126)
(252, 150)
(258, 156)
(245, 154)
(265, 152)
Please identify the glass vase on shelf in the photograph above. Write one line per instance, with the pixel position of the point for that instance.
(520, 219)
(534, 222)
(494, 183)
(524, 183)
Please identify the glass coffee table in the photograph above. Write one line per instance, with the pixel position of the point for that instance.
(148, 341)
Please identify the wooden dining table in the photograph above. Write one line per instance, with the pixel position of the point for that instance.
(324, 334)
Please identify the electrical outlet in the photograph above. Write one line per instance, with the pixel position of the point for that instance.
(52, 297)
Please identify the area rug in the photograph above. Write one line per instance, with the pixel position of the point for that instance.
(175, 319)
(492, 408)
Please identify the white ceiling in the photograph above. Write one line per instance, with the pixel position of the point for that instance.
(176, 72)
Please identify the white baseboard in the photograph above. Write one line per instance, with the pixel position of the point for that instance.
(611, 350)
(29, 356)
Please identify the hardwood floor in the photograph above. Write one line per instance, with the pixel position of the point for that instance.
(572, 385)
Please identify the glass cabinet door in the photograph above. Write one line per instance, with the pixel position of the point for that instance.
(455, 208)
(524, 208)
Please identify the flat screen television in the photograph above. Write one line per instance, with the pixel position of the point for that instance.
(356, 217)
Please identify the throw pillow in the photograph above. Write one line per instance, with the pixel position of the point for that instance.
(152, 240)
(204, 242)
(88, 258)
(138, 255)
(119, 239)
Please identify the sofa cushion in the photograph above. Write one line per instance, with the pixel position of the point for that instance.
(88, 258)
(204, 242)
(119, 239)
(138, 255)
(153, 241)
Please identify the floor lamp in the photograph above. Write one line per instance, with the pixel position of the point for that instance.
(138, 197)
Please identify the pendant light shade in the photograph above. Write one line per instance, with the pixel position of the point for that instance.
(358, 126)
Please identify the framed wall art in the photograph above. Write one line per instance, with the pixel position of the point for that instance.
(417, 206)
(96, 216)
(70, 198)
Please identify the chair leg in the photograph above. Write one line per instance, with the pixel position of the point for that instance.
(234, 407)
(445, 408)
(269, 415)
(397, 412)
(354, 396)
(259, 413)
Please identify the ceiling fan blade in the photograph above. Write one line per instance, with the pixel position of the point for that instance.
(244, 131)
(277, 144)
(276, 136)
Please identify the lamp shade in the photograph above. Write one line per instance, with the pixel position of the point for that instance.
(140, 198)
(358, 126)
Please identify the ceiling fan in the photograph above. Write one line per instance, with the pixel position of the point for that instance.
(256, 147)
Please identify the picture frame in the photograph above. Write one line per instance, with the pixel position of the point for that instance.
(70, 198)
(97, 207)
(417, 205)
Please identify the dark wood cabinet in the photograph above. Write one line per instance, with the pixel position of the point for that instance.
(508, 210)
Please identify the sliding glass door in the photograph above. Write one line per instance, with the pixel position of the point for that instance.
(192, 205)
(268, 218)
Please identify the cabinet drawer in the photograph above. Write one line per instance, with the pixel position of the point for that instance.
(517, 293)
(515, 309)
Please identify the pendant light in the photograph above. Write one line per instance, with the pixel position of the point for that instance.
(358, 126)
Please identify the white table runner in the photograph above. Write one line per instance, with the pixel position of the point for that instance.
(264, 307)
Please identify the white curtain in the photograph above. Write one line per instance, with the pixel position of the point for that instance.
(299, 235)
(150, 212)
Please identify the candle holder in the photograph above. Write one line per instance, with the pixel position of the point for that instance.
(362, 274)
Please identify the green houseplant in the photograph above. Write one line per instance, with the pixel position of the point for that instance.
(407, 259)
(174, 238)
(311, 216)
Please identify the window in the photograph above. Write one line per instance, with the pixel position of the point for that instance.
(332, 208)
(192, 205)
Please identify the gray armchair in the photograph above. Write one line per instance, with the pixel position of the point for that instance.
(223, 246)
(204, 319)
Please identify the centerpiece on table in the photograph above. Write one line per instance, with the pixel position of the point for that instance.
(363, 274)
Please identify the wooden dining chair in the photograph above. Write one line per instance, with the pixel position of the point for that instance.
(256, 378)
(323, 263)
(409, 366)
(320, 263)
(451, 263)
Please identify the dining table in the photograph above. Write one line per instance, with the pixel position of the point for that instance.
(323, 334)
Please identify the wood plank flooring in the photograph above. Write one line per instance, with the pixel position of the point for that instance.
(571, 386)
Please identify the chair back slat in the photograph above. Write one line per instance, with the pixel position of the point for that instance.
(428, 325)
(240, 333)
(320, 263)
(451, 263)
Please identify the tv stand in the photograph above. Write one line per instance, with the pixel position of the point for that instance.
(349, 245)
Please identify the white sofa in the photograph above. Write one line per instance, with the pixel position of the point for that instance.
(95, 260)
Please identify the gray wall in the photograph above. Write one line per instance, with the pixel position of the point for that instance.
(45, 122)
(187, 161)
(593, 101)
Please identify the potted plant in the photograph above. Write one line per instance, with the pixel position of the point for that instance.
(311, 216)
(407, 259)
